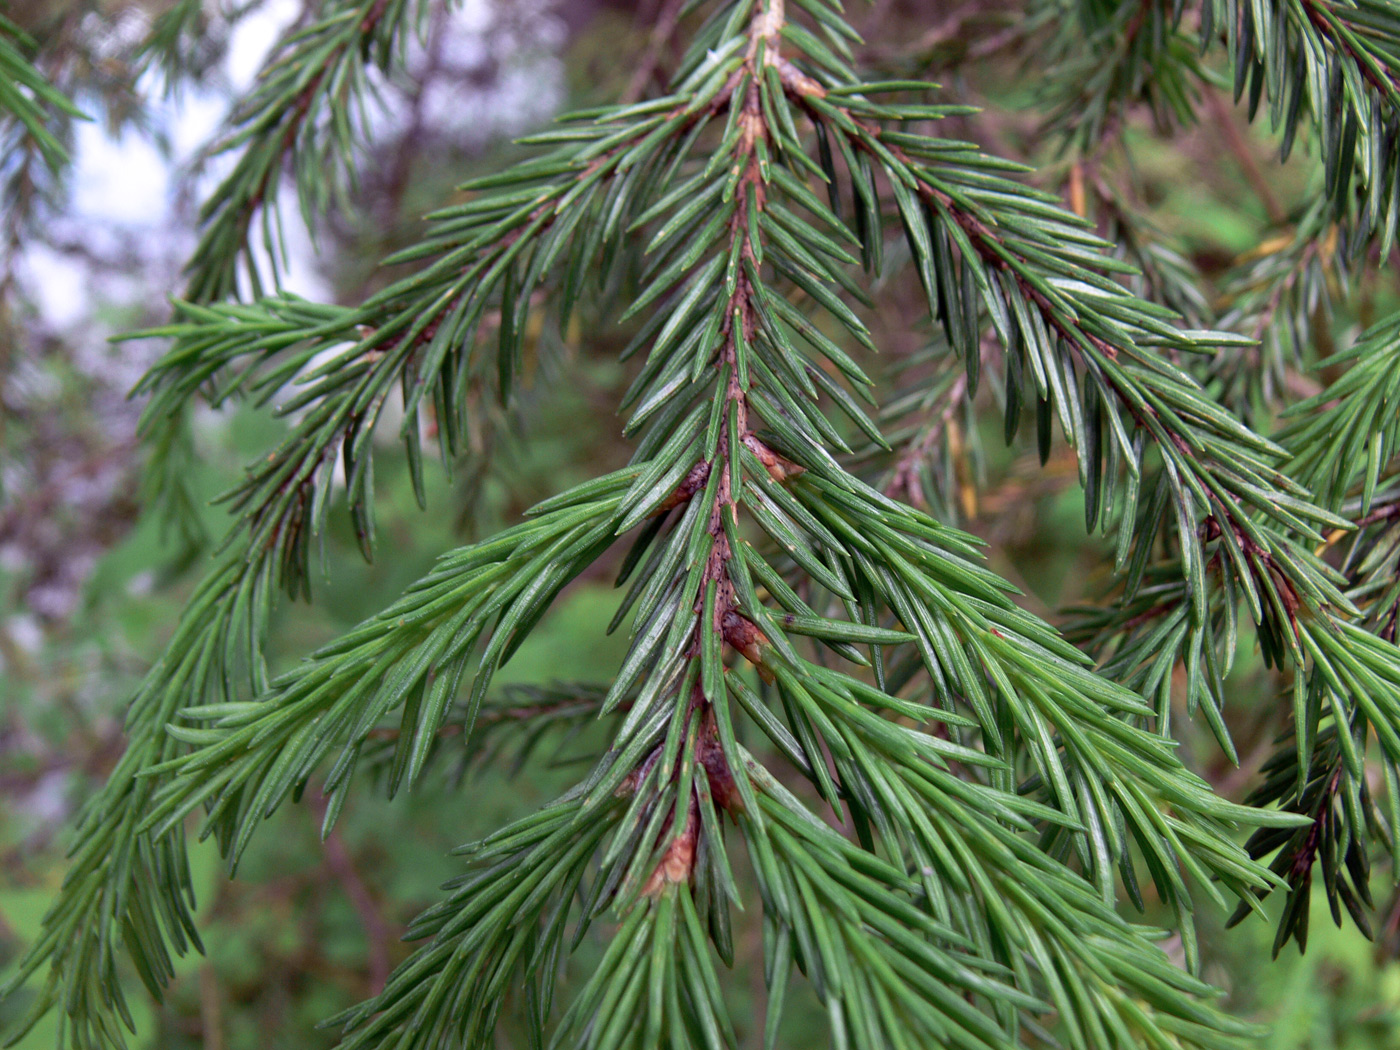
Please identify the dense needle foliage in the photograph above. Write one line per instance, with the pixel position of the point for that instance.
(945, 807)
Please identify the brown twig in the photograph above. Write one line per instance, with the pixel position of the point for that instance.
(211, 1009)
(661, 33)
(341, 865)
(905, 476)
(1236, 143)
(492, 716)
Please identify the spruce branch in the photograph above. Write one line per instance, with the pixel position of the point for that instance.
(1282, 295)
(1344, 691)
(699, 465)
(789, 535)
(36, 117)
(178, 41)
(992, 787)
(308, 110)
(1102, 60)
(413, 656)
(1092, 350)
(1346, 434)
(120, 883)
(1342, 62)
(1244, 529)
(487, 260)
(1343, 443)
(28, 100)
(1037, 931)
(1342, 821)
(1335, 65)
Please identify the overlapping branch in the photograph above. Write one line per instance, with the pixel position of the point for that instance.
(26, 97)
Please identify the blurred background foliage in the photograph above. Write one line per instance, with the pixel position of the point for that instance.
(90, 587)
